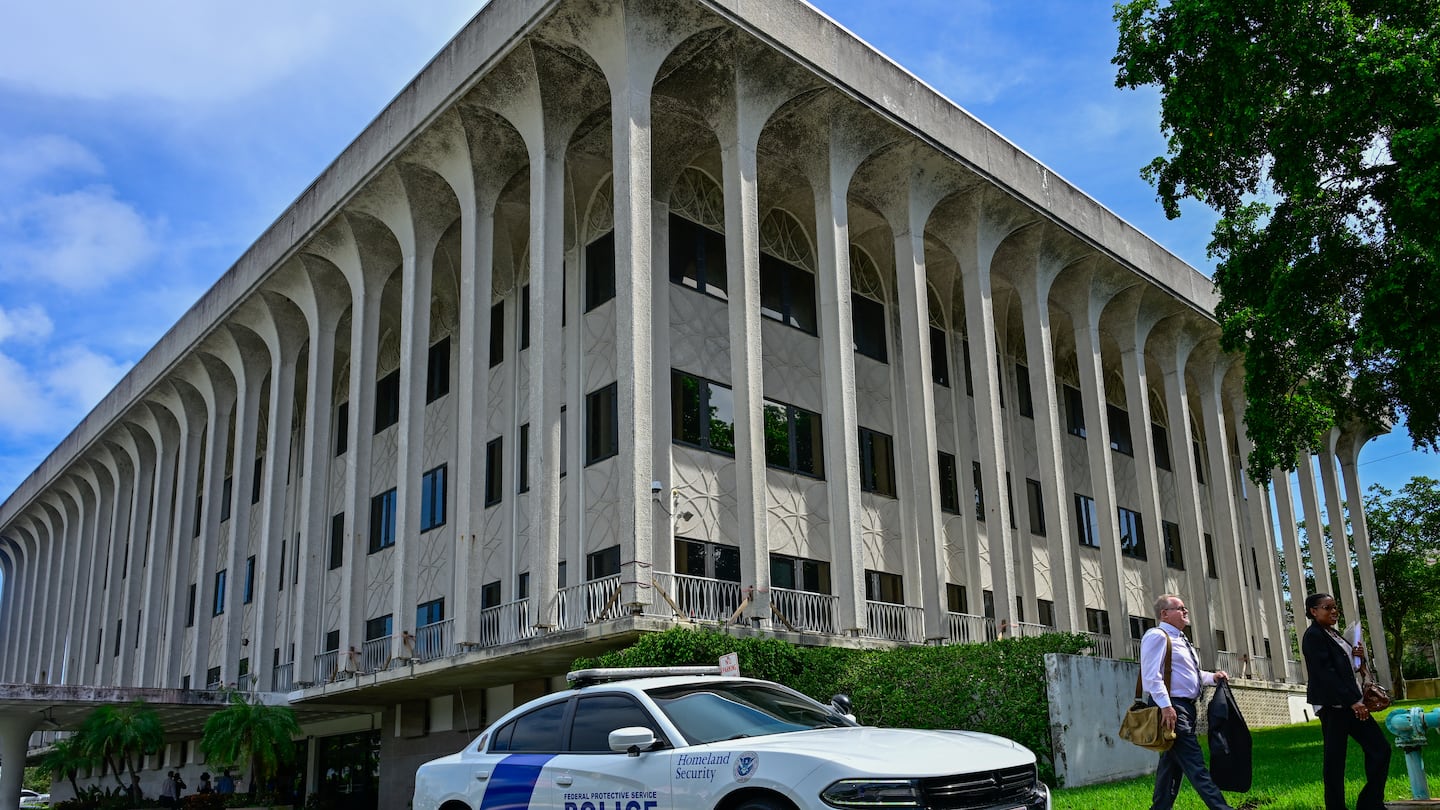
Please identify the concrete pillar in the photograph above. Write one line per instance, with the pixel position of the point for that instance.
(9, 568)
(15, 731)
(185, 403)
(132, 605)
(1294, 563)
(1315, 528)
(1336, 508)
(91, 579)
(1228, 542)
(1352, 440)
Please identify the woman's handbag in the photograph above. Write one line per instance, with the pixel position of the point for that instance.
(1375, 697)
(1141, 725)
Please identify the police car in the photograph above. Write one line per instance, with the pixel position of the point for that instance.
(676, 739)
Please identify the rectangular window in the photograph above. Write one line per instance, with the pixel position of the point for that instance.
(883, 587)
(524, 317)
(1097, 621)
(955, 601)
(787, 293)
(969, 375)
(1023, 396)
(522, 585)
(697, 258)
(1174, 557)
(1210, 557)
(342, 428)
(702, 413)
(1119, 423)
(793, 439)
(337, 540)
(939, 357)
(1087, 521)
(257, 479)
(1074, 410)
(243, 671)
(600, 271)
(987, 603)
(332, 641)
(979, 484)
(717, 561)
(799, 574)
(1046, 612)
(432, 499)
(1161, 440)
(382, 521)
(119, 635)
(212, 681)
(1010, 500)
(522, 460)
(1139, 624)
(387, 400)
(1132, 534)
(225, 498)
(602, 424)
(1220, 640)
(497, 334)
(949, 484)
(378, 627)
(1255, 565)
(437, 371)
(1035, 499)
(490, 595)
(199, 520)
(432, 612)
(602, 563)
(867, 318)
(564, 440)
(250, 579)
(877, 463)
(494, 471)
(219, 606)
(190, 607)
(1199, 462)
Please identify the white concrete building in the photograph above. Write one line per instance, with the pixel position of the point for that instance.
(630, 312)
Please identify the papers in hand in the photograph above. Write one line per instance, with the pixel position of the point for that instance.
(1352, 635)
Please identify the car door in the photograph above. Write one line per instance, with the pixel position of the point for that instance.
(589, 776)
(517, 771)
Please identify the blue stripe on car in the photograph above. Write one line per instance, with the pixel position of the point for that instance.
(512, 783)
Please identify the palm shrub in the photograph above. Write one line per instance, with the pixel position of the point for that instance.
(119, 737)
(251, 732)
(65, 759)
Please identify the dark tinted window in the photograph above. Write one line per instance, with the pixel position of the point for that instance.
(596, 717)
(538, 731)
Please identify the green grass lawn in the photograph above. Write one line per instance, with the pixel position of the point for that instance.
(1287, 775)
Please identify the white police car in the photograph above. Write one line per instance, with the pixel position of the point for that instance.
(658, 740)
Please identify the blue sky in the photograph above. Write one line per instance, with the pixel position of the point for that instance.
(140, 160)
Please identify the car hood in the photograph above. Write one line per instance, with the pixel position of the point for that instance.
(891, 751)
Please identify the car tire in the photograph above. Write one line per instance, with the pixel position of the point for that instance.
(761, 803)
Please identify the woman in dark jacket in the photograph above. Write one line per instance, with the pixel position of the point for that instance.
(1335, 693)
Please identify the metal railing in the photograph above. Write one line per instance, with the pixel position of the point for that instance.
(375, 654)
(1260, 667)
(579, 605)
(283, 678)
(1229, 661)
(967, 628)
(327, 664)
(1134, 646)
(433, 640)
(1031, 629)
(699, 598)
(1103, 646)
(806, 611)
(505, 624)
(894, 622)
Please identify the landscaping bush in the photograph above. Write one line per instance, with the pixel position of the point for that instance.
(996, 687)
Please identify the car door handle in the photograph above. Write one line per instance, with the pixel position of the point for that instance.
(482, 775)
(564, 780)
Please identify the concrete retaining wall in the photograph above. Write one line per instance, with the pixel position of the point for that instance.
(1088, 696)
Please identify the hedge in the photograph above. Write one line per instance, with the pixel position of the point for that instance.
(996, 687)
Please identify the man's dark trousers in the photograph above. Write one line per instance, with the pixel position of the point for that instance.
(1185, 759)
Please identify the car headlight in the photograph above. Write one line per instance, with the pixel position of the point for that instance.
(872, 793)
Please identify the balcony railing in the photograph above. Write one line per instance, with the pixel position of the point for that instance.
(375, 654)
(579, 605)
(505, 624)
(1230, 662)
(434, 640)
(699, 598)
(1031, 629)
(894, 622)
(327, 666)
(1134, 646)
(283, 678)
(805, 611)
(967, 628)
(1103, 645)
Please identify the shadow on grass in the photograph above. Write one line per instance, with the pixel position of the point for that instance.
(1287, 775)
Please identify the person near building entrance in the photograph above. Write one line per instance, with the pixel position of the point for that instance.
(1176, 700)
(226, 783)
(1330, 661)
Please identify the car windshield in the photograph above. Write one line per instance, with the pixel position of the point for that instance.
(710, 712)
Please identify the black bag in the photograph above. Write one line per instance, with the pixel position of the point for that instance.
(1231, 760)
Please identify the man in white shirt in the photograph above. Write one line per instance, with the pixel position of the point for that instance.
(1176, 700)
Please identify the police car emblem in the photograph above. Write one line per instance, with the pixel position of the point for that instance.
(745, 766)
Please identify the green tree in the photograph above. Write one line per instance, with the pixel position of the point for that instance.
(1405, 538)
(1313, 128)
(65, 759)
(251, 732)
(119, 737)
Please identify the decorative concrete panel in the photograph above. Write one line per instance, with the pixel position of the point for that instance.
(599, 346)
(791, 361)
(797, 519)
(873, 408)
(602, 504)
(706, 507)
(699, 334)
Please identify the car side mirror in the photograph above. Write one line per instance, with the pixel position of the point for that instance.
(631, 740)
(842, 706)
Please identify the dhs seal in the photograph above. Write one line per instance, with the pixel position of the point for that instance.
(745, 766)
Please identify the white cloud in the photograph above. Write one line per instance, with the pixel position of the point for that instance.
(58, 388)
(27, 159)
(25, 323)
(80, 239)
(80, 377)
(23, 406)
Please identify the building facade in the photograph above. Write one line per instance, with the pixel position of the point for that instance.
(634, 312)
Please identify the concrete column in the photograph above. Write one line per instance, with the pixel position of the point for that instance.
(42, 635)
(82, 491)
(23, 539)
(1294, 565)
(1262, 537)
(218, 393)
(1315, 527)
(15, 731)
(189, 410)
(1228, 542)
(67, 505)
(91, 579)
(158, 597)
(1187, 492)
(1336, 508)
(1349, 447)
(132, 606)
(9, 618)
